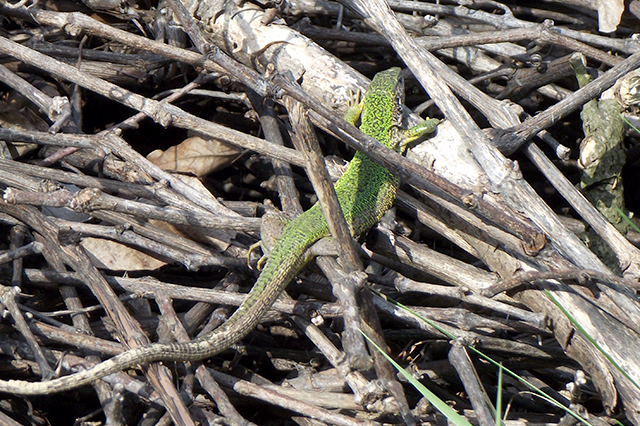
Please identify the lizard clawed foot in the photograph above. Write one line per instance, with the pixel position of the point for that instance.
(410, 135)
(355, 105)
(262, 259)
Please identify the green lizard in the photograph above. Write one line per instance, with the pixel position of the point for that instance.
(365, 191)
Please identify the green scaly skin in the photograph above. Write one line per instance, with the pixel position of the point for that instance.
(365, 191)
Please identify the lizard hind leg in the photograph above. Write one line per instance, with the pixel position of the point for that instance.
(271, 227)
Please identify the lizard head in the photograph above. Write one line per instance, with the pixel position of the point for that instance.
(382, 110)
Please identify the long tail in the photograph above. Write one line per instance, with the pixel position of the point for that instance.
(286, 259)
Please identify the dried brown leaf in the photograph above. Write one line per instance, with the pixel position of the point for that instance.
(112, 255)
(196, 155)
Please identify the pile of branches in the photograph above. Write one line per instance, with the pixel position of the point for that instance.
(141, 148)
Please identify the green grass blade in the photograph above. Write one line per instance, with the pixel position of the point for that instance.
(589, 338)
(522, 380)
(626, 219)
(440, 405)
(499, 398)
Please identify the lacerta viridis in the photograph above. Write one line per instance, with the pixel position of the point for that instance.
(365, 191)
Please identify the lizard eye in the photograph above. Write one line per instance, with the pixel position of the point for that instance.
(397, 111)
(399, 101)
(397, 114)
